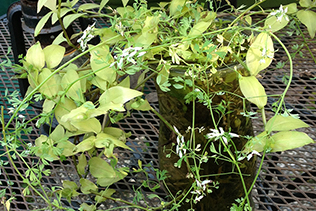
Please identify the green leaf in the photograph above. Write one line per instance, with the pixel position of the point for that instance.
(87, 6)
(108, 36)
(62, 13)
(82, 163)
(58, 134)
(87, 186)
(259, 55)
(287, 140)
(72, 78)
(48, 106)
(45, 146)
(101, 59)
(124, 2)
(53, 55)
(100, 168)
(308, 17)
(282, 123)
(258, 143)
(59, 39)
(305, 3)
(173, 8)
(141, 105)
(67, 148)
(102, 4)
(103, 140)
(41, 24)
(85, 145)
(109, 180)
(35, 56)
(252, 89)
(51, 87)
(69, 189)
(70, 18)
(86, 207)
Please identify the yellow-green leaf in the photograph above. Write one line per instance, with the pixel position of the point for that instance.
(274, 24)
(257, 143)
(35, 56)
(65, 107)
(87, 186)
(87, 6)
(282, 123)
(53, 55)
(71, 78)
(108, 36)
(252, 89)
(287, 140)
(84, 145)
(291, 8)
(50, 4)
(82, 163)
(305, 3)
(87, 125)
(51, 86)
(101, 59)
(260, 54)
(100, 168)
(67, 148)
(308, 17)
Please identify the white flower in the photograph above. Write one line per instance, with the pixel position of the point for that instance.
(280, 13)
(11, 110)
(217, 134)
(180, 150)
(86, 36)
(254, 152)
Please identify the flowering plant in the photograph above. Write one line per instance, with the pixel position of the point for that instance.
(143, 43)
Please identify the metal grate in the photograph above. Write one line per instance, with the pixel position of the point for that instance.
(287, 181)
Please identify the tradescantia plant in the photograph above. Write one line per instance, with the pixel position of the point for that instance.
(143, 43)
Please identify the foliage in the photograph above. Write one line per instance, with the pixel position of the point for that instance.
(143, 42)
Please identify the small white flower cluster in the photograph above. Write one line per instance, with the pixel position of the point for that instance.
(86, 36)
(11, 111)
(217, 134)
(250, 155)
(200, 189)
(265, 54)
(280, 13)
(128, 54)
(180, 148)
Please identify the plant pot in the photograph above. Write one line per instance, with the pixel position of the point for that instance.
(173, 108)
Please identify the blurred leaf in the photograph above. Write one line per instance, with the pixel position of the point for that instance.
(291, 8)
(67, 148)
(102, 4)
(173, 8)
(282, 123)
(252, 89)
(103, 140)
(57, 134)
(308, 17)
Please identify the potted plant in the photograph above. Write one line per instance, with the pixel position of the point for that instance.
(205, 65)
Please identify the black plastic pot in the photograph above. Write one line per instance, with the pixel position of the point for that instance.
(173, 108)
